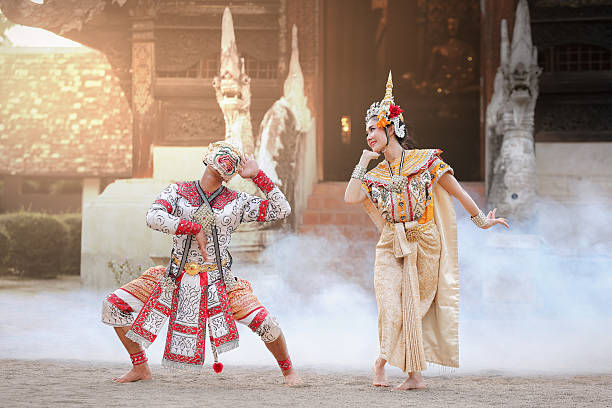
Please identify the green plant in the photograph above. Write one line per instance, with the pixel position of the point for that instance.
(71, 261)
(36, 243)
(124, 271)
(3, 252)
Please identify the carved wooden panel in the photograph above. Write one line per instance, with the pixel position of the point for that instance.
(142, 77)
(193, 124)
(183, 40)
(570, 3)
(178, 49)
(570, 117)
(585, 32)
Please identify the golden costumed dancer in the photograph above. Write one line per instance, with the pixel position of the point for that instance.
(416, 274)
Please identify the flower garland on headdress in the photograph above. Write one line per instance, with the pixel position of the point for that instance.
(387, 112)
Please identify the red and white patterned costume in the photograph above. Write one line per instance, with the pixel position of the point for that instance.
(172, 213)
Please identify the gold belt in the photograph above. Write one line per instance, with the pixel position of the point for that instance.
(414, 233)
(193, 268)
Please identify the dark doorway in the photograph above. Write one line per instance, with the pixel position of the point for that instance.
(433, 50)
(348, 78)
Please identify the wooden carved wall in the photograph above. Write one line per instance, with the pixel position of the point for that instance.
(188, 41)
(574, 40)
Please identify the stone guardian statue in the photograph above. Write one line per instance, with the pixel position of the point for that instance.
(512, 185)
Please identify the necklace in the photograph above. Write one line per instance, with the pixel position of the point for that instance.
(398, 182)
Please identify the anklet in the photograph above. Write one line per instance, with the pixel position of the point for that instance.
(139, 358)
(285, 365)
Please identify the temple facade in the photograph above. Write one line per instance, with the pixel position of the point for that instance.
(444, 56)
(184, 82)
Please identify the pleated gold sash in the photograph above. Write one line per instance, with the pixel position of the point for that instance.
(416, 280)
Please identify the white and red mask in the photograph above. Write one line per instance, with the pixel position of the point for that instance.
(225, 158)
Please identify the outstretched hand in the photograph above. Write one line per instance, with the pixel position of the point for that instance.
(250, 167)
(491, 220)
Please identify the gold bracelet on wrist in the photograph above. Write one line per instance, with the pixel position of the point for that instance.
(480, 219)
(359, 172)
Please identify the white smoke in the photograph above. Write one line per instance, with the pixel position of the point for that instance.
(529, 303)
(538, 300)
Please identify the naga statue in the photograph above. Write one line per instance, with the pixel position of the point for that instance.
(233, 89)
(281, 145)
(512, 184)
(280, 148)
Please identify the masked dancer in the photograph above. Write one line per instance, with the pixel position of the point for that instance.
(416, 275)
(197, 290)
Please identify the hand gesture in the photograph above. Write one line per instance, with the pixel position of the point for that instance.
(491, 220)
(200, 237)
(368, 155)
(250, 167)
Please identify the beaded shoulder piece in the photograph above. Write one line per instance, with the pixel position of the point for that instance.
(414, 162)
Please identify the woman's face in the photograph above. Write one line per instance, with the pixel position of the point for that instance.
(375, 136)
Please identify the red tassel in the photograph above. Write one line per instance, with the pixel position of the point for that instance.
(218, 367)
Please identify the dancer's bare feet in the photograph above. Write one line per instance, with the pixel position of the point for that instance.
(137, 373)
(292, 379)
(413, 382)
(380, 377)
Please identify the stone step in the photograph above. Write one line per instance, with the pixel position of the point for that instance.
(353, 232)
(313, 216)
(327, 214)
(332, 203)
(334, 188)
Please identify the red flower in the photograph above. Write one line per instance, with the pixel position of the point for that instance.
(394, 111)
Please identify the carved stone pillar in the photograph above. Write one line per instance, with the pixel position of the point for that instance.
(307, 16)
(144, 109)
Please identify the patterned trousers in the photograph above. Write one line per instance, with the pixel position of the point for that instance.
(121, 306)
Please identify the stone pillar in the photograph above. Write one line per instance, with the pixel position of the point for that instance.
(91, 190)
(491, 14)
(144, 109)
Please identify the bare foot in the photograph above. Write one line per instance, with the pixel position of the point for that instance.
(138, 372)
(292, 379)
(411, 383)
(380, 377)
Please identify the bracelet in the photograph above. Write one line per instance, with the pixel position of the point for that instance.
(480, 220)
(263, 182)
(359, 172)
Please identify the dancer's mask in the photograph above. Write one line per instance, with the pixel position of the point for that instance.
(225, 158)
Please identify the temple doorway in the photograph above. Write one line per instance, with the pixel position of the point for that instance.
(433, 50)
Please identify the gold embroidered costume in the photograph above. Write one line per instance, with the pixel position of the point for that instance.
(415, 273)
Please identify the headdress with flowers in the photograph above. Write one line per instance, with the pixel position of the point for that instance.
(387, 112)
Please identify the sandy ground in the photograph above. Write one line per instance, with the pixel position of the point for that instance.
(36, 342)
(63, 384)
